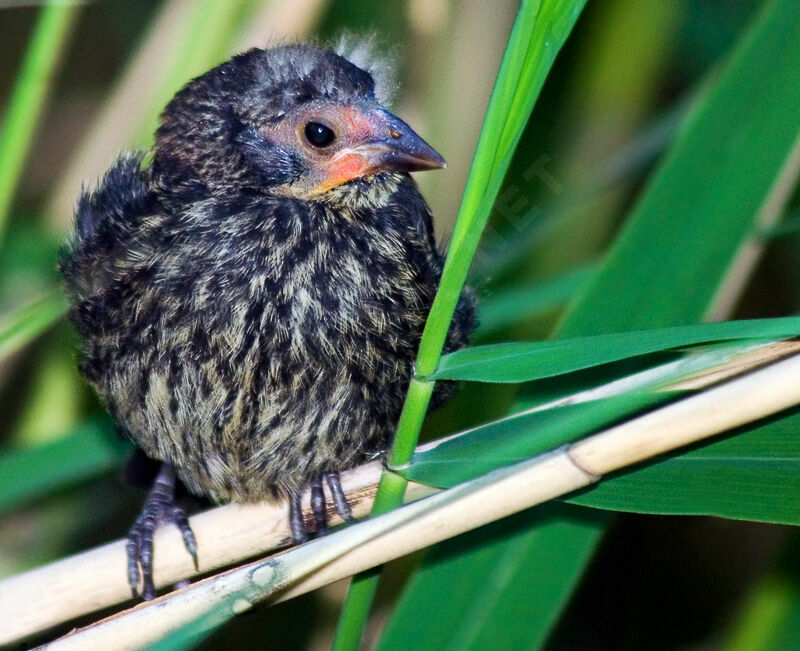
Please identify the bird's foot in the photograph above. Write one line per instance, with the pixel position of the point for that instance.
(318, 507)
(159, 508)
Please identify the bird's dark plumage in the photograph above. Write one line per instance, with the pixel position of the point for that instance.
(251, 305)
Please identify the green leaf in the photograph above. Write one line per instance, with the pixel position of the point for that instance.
(518, 304)
(499, 254)
(479, 620)
(675, 253)
(25, 324)
(789, 225)
(194, 632)
(31, 473)
(551, 424)
(769, 618)
(539, 32)
(523, 362)
(752, 476)
(676, 250)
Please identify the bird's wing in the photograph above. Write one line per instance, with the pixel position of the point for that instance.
(106, 220)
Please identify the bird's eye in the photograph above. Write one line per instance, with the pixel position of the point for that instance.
(319, 135)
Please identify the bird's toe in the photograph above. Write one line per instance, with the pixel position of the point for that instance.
(160, 508)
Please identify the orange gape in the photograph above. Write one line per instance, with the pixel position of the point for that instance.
(341, 170)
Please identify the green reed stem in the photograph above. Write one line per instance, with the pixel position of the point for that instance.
(538, 33)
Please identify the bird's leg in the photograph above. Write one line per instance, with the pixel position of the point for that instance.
(339, 498)
(318, 506)
(159, 507)
(299, 533)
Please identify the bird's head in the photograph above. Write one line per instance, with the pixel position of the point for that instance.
(295, 120)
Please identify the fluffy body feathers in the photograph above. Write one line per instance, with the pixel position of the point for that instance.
(252, 339)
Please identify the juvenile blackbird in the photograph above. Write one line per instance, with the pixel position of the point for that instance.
(252, 298)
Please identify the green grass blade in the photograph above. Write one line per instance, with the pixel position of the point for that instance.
(772, 618)
(31, 473)
(524, 362)
(680, 242)
(588, 407)
(718, 155)
(538, 34)
(25, 324)
(195, 632)
(497, 255)
(769, 619)
(774, 603)
(28, 97)
(789, 225)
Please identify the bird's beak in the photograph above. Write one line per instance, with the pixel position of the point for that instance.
(395, 146)
(386, 143)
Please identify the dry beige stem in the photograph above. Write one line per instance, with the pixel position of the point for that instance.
(96, 579)
(771, 211)
(279, 22)
(400, 532)
(732, 404)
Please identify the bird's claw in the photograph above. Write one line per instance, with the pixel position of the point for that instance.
(318, 507)
(158, 509)
(299, 533)
(339, 497)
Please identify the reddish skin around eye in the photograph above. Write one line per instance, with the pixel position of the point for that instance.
(358, 128)
(357, 123)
